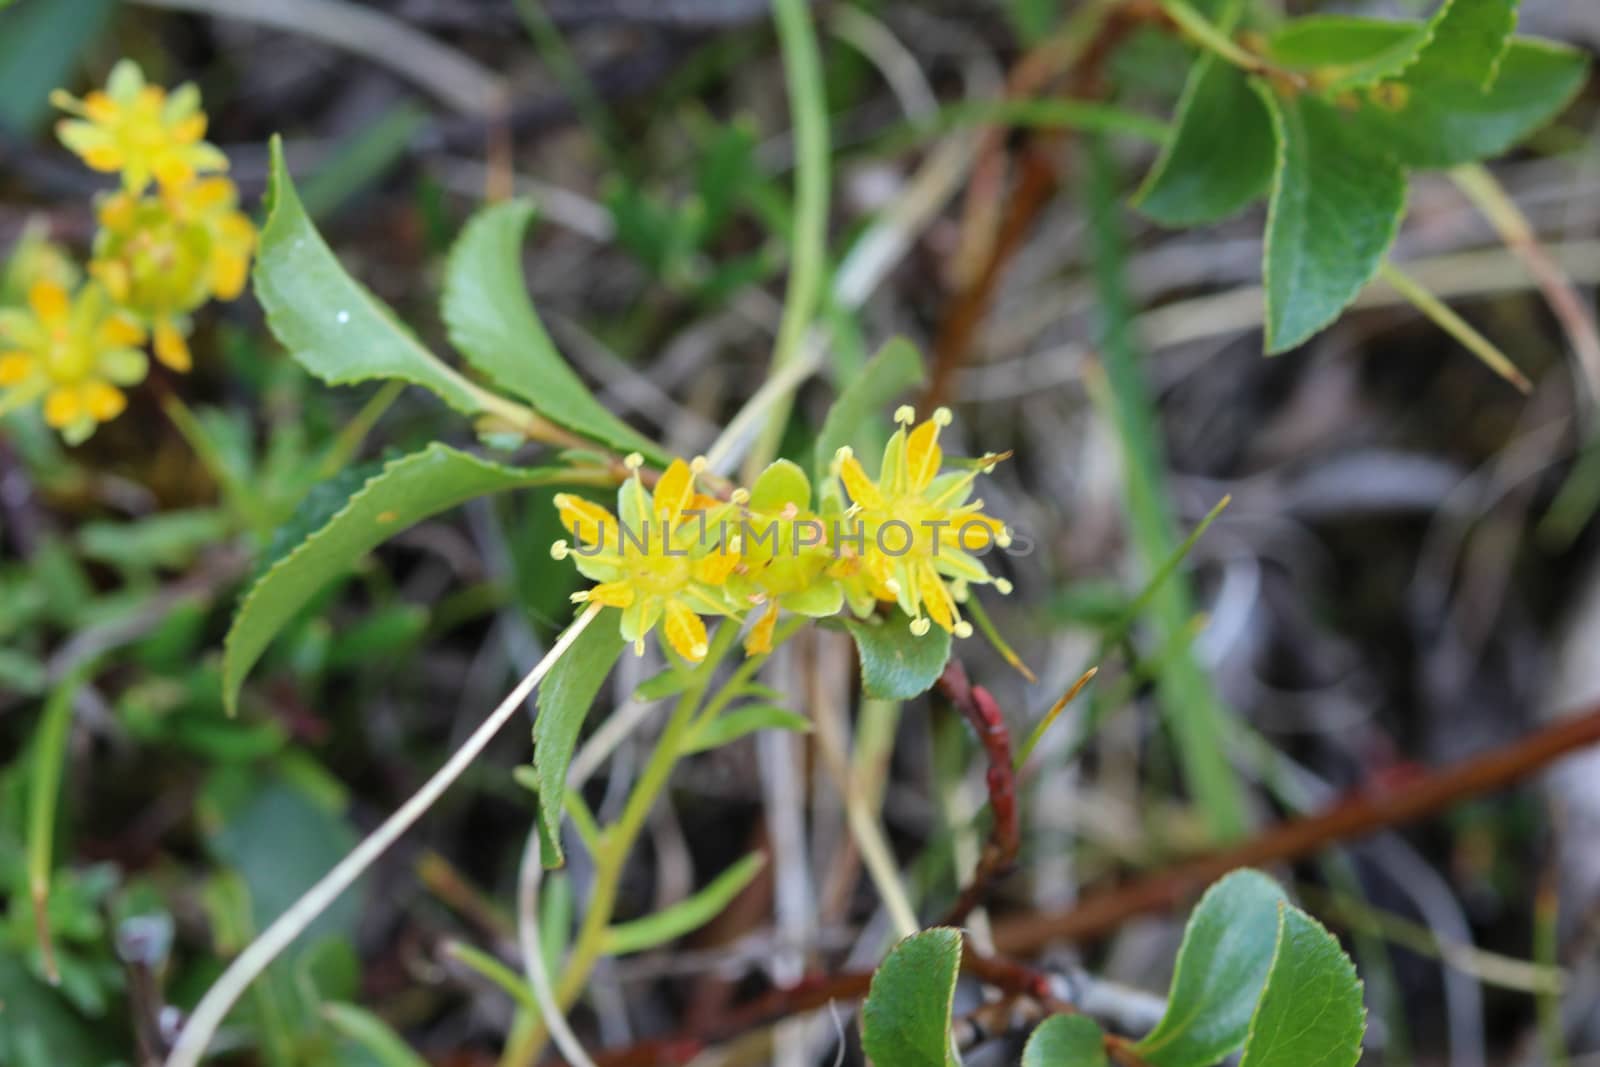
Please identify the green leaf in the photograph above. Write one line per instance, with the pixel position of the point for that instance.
(896, 368)
(781, 484)
(686, 915)
(1311, 1010)
(1193, 182)
(564, 701)
(327, 320)
(669, 683)
(403, 493)
(1467, 41)
(1066, 1041)
(1443, 122)
(905, 1021)
(1336, 204)
(494, 325)
(1222, 966)
(741, 721)
(39, 44)
(372, 1034)
(896, 664)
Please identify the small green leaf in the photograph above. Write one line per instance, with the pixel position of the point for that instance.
(564, 701)
(1222, 966)
(1311, 1011)
(686, 915)
(781, 484)
(896, 664)
(329, 322)
(373, 1035)
(1441, 122)
(1193, 182)
(905, 1021)
(402, 494)
(1468, 39)
(1336, 204)
(741, 721)
(896, 368)
(494, 325)
(669, 683)
(1066, 1041)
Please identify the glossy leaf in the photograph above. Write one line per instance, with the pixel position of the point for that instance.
(1193, 182)
(1222, 967)
(1066, 1041)
(731, 726)
(896, 368)
(565, 698)
(896, 664)
(403, 493)
(688, 914)
(1336, 204)
(330, 323)
(494, 325)
(1467, 41)
(1311, 1011)
(905, 1021)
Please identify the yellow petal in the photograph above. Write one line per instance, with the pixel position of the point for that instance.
(759, 640)
(673, 491)
(172, 169)
(63, 406)
(104, 402)
(685, 632)
(190, 129)
(120, 331)
(171, 348)
(586, 520)
(15, 368)
(923, 456)
(715, 568)
(857, 484)
(49, 302)
(104, 158)
(935, 597)
(212, 193)
(612, 594)
(229, 271)
(98, 107)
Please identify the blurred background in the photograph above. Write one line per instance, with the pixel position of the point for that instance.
(1404, 577)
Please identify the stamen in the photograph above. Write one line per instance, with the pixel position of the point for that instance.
(920, 626)
(740, 496)
(963, 629)
(559, 550)
(698, 464)
(1003, 586)
(942, 416)
(633, 461)
(893, 586)
(580, 596)
(905, 414)
(1003, 538)
(845, 452)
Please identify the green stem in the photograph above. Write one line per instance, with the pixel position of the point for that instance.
(44, 791)
(244, 505)
(802, 67)
(1446, 319)
(1207, 36)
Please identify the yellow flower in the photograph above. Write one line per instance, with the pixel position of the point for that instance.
(785, 554)
(73, 353)
(657, 559)
(139, 130)
(36, 258)
(163, 255)
(916, 539)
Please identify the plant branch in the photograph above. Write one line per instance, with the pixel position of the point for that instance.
(213, 1008)
(978, 707)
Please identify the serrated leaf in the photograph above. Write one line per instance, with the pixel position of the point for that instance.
(905, 1021)
(735, 724)
(1468, 39)
(896, 664)
(1311, 1011)
(1336, 204)
(330, 323)
(896, 368)
(403, 493)
(1444, 123)
(688, 914)
(494, 325)
(1220, 154)
(1464, 40)
(1066, 1041)
(565, 698)
(1222, 967)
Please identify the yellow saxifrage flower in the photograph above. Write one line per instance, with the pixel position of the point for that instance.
(919, 534)
(75, 353)
(785, 556)
(163, 255)
(139, 129)
(657, 559)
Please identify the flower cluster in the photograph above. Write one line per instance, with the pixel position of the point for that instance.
(677, 556)
(170, 239)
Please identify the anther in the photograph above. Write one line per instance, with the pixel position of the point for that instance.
(942, 416)
(559, 550)
(920, 627)
(633, 461)
(905, 414)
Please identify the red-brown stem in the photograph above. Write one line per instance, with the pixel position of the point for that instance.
(1005, 837)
